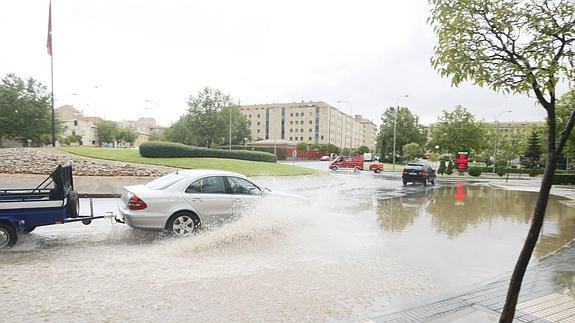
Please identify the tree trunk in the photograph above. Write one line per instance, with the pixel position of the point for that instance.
(508, 311)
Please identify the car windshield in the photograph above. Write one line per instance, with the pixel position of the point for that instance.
(165, 181)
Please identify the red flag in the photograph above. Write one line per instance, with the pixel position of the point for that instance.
(49, 44)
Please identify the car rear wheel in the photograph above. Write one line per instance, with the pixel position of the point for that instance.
(333, 168)
(356, 169)
(8, 235)
(433, 181)
(183, 224)
(377, 170)
(404, 182)
(425, 182)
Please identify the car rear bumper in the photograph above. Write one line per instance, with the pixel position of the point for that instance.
(142, 221)
(413, 179)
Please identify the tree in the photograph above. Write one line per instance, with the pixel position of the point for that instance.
(302, 146)
(156, 136)
(128, 135)
(209, 118)
(458, 130)
(107, 131)
(518, 46)
(533, 150)
(25, 111)
(411, 151)
(408, 129)
(564, 106)
(362, 150)
(181, 131)
(240, 127)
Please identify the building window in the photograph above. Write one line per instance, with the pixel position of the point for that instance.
(301, 130)
(258, 130)
(291, 130)
(291, 122)
(291, 115)
(290, 138)
(249, 115)
(321, 137)
(310, 122)
(309, 138)
(301, 138)
(258, 115)
(296, 114)
(75, 122)
(258, 123)
(296, 130)
(309, 129)
(73, 133)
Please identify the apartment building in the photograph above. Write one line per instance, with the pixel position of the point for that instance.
(505, 130)
(76, 124)
(312, 122)
(510, 130)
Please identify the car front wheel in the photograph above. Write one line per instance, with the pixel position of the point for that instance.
(183, 224)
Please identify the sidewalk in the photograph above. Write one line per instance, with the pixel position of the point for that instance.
(547, 295)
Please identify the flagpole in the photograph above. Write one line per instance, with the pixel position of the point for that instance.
(50, 52)
(52, 103)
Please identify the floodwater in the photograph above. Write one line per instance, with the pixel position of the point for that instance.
(362, 246)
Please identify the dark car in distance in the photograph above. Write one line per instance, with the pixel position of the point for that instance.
(418, 172)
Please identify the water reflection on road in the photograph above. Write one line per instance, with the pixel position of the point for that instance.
(363, 244)
(460, 211)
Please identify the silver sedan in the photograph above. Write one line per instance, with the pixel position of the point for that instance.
(184, 201)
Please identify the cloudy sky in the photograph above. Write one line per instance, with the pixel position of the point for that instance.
(131, 58)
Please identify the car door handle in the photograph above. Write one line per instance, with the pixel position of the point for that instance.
(196, 199)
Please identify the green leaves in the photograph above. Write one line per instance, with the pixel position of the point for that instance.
(207, 122)
(25, 111)
(458, 130)
(508, 45)
(408, 130)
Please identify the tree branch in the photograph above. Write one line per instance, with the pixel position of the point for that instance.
(566, 132)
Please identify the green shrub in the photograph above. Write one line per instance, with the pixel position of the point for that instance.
(564, 179)
(449, 169)
(159, 149)
(474, 171)
(441, 169)
(500, 170)
(533, 172)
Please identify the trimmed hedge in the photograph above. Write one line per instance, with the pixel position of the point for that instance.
(564, 179)
(159, 149)
(474, 171)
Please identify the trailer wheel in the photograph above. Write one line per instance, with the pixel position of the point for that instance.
(73, 204)
(333, 168)
(377, 170)
(8, 235)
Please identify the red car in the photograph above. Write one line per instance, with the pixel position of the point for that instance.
(355, 163)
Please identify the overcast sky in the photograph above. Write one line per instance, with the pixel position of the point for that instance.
(131, 58)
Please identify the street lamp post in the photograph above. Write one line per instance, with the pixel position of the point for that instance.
(352, 122)
(395, 126)
(497, 138)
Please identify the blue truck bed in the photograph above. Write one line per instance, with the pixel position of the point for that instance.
(54, 201)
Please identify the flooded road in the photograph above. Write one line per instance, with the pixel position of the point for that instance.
(363, 245)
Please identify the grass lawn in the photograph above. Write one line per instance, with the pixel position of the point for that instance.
(248, 168)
